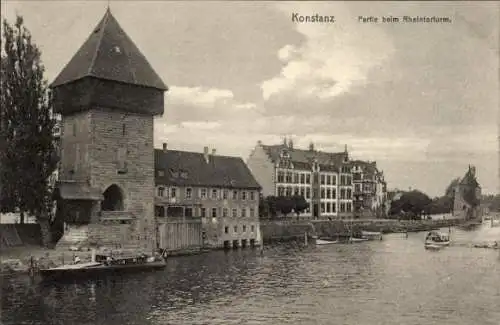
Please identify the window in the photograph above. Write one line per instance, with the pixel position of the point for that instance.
(74, 129)
(348, 180)
(323, 179)
(188, 212)
(235, 213)
(296, 191)
(214, 212)
(252, 213)
(226, 230)
(308, 179)
(235, 195)
(203, 212)
(215, 194)
(224, 212)
(243, 213)
(189, 193)
(161, 173)
(281, 191)
(288, 177)
(225, 194)
(328, 180)
(252, 195)
(323, 208)
(334, 193)
(203, 193)
(322, 193)
(235, 229)
(281, 177)
(302, 178)
(173, 192)
(342, 207)
(244, 228)
(357, 188)
(328, 193)
(334, 180)
(334, 207)
(328, 207)
(296, 178)
(243, 195)
(315, 193)
(349, 193)
(252, 228)
(288, 191)
(302, 192)
(161, 190)
(124, 130)
(308, 193)
(349, 206)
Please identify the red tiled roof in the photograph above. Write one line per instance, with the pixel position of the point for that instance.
(110, 54)
(304, 158)
(183, 168)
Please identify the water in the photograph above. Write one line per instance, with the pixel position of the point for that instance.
(394, 281)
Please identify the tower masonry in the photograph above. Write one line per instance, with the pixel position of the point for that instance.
(108, 95)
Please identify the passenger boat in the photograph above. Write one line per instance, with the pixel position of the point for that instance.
(436, 240)
(104, 264)
(371, 235)
(325, 242)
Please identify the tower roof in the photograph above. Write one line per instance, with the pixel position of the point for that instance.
(108, 53)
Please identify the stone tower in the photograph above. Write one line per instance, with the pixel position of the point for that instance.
(108, 95)
(467, 197)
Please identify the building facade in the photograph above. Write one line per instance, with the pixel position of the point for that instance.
(217, 191)
(370, 189)
(466, 203)
(108, 95)
(324, 179)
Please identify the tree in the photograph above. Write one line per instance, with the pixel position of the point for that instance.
(299, 204)
(284, 205)
(413, 203)
(28, 156)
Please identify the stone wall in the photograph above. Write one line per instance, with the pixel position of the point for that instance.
(132, 134)
(284, 230)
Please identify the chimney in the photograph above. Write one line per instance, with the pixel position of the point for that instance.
(164, 147)
(205, 153)
(214, 151)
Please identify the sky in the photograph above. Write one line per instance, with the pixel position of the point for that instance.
(421, 99)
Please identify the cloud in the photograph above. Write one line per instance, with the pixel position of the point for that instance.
(333, 57)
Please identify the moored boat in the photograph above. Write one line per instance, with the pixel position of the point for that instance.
(371, 235)
(325, 242)
(436, 240)
(104, 264)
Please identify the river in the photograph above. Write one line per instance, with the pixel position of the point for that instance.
(394, 281)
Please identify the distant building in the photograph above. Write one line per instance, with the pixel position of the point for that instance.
(370, 188)
(219, 191)
(467, 197)
(324, 179)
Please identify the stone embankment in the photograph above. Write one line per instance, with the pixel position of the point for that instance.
(285, 230)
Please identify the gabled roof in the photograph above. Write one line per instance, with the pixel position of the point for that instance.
(183, 168)
(304, 158)
(108, 53)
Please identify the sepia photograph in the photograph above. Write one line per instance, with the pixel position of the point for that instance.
(249, 162)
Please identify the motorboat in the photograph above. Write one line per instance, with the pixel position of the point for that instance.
(436, 240)
(105, 264)
(371, 235)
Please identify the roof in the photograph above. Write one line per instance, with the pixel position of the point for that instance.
(469, 178)
(108, 53)
(303, 158)
(368, 168)
(77, 191)
(183, 168)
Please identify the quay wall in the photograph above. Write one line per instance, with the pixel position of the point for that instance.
(281, 230)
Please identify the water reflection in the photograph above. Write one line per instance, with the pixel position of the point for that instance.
(394, 281)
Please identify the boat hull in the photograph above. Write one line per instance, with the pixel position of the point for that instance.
(325, 242)
(98, 271)
(436, 245)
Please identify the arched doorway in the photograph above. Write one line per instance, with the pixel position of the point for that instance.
(113, 199)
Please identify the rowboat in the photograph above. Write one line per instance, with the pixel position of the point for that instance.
(436, 240)
(104, 264)
(371, 235)
(325, 242)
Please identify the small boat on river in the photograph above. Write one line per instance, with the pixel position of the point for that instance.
(104, 264)
(436, 240)
(325, 242)
(371, 235)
